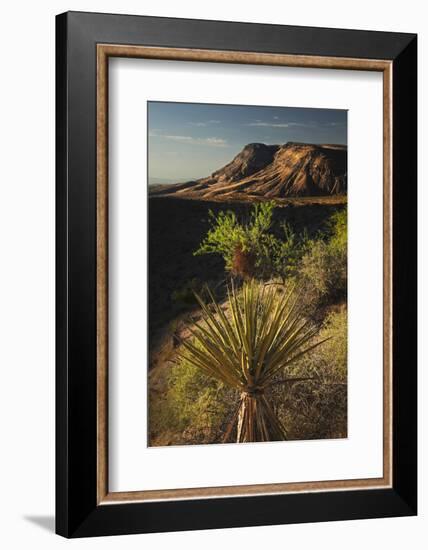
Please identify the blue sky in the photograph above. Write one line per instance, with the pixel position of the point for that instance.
(191, 140)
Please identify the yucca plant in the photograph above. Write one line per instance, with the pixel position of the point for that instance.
(247, 348)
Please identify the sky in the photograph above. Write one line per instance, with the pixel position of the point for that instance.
(191, 140)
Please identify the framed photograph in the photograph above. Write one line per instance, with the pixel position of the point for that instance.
(236, 274)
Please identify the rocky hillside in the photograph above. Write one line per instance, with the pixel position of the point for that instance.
(270, 171)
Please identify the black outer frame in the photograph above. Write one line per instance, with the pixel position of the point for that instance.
(77, 513)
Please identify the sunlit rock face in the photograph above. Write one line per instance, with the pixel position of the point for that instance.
(271, 171)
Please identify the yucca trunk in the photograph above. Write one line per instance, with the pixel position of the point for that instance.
(256, 419)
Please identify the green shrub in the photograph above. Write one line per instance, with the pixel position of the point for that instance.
(252, 249)
(227, 235)
(317, 409)
(338, 225)
(323, 266)
(286, 253)
(196, 407)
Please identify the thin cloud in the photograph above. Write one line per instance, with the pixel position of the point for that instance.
(279, 124)
(296, 124)
(218, 142)
(204, 124)
(211, 141)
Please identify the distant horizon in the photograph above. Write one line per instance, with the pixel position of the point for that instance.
(188, 141)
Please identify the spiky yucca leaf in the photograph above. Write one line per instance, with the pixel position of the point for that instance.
(263, 333)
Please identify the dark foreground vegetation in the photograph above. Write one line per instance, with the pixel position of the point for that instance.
(248, 322)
